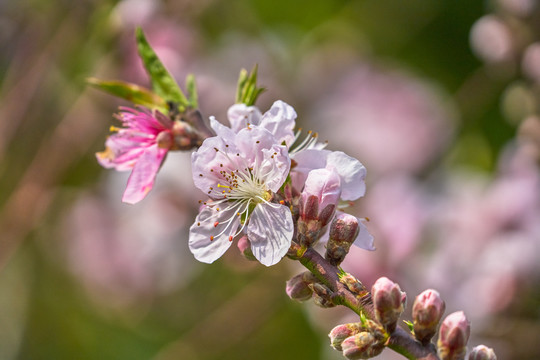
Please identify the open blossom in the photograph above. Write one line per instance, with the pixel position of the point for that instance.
(240, 172)
(141, 146)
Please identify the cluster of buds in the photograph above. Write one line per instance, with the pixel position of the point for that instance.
(306, 286)
(361, 340)
(367, 338)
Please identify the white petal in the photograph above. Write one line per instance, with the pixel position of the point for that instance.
(351, 172)
(280, 121)
(274, 167)
(306, 161)
(325, 184)
(203, 248)
(207, 163)
(222, 131)
(364, 239)
(240, 115)
(270, 231)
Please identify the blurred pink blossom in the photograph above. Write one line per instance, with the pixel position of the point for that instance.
(392, 121)
(128, 254)
(492, 40)
(487, 237)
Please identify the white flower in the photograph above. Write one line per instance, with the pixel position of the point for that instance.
(240, 171)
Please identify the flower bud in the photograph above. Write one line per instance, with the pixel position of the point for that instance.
(353, 284)
(298, 287)
(363, 345)
(322, 295)
(245, 248)
(343, 331)
(343, 232)
(427, 311)
(482, 352)
(453, 336)
(318, 202)
(388, 302)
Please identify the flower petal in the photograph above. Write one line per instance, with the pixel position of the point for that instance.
(280, 121)
(221, 224)
(207, 164)
(270, 231)
(351, 172)
(274, 167)
(306, 161)
(251, 141)
(325, 184)
(240, 115)
(222, 131)
(144, 173)
(364, 239)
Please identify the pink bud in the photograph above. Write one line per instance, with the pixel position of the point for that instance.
(298, 287)
(427, 311)
(324, 187)
(341, 332)
(453, 336)
(363, 345)
(482, 352)
(245, 248)
(343, 231)
(318, 202)
(388, 301)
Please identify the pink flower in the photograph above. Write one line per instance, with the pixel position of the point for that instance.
(240, 172)
(141, 146)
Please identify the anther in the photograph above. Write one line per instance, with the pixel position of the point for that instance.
(216, 223)
(211, 238)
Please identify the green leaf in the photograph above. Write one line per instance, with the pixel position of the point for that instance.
(191, 88)
(247, 91)
(131, 92)
(162, 82)
(242, 79)
(410, 325)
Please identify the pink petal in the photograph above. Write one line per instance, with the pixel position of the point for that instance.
(144, 173)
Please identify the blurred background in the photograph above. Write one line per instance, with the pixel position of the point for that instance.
(439, 99)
